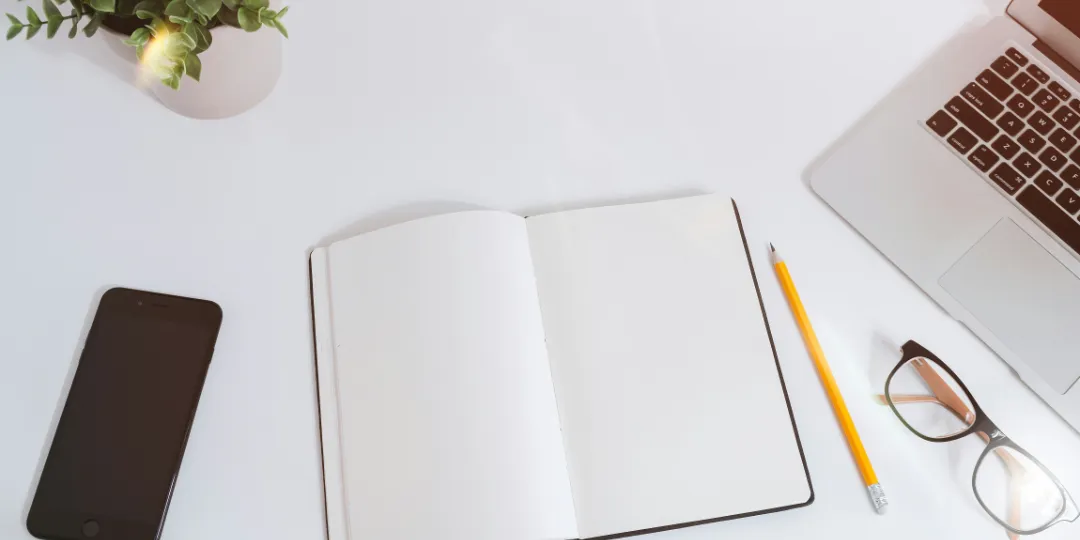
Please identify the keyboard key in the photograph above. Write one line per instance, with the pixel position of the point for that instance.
(1051, 215)
(962, 140)
(1024, 83)
(1004, 67)
(1039, 74)
(1015, 56)
(1067, 117)
(1020, 106)
(941, 123)
(1048, 183)
(1069, 200)
(1007, 148)
(1062, 140)
(1007, 177)
(1075, 105)
(1032, 141)
(1071, 176)
(1027, 164)
(977, 123)
(1059, 91)
(996, 85)
(1047, 101)
(1042, 123)
(1010, 123)
(982, 100)
(1075, 155)
(1053, 159)
(983, 158)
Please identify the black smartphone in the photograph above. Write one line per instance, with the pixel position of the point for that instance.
(110, 471)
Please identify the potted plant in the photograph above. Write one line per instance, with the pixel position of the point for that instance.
(174, 38)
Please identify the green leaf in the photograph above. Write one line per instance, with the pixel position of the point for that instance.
(180, 20)
(104, 6)
(92, 26)
(193, 66)
(176, 47)
(172, 81)
(281, 13)
(53, 26)
(228, 17)
(77, 4)
(32, 16)
(139, 50)
(249, 20)
(139, 37)
(209, 8)
(203, 38)
(32, 31)
(256, 4)
(281, 28)
(177, 8)
(74, 28)
(51, 11)
(14, 21)
(186, 39)
(157, 27)
(147, 9)
(14, 31)
(231, 4)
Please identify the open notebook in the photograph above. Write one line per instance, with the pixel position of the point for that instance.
(583, 374)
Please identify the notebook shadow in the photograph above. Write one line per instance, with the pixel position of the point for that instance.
(596, 203)
(62, 400)
(395, 216)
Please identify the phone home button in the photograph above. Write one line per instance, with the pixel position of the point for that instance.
(91, 528)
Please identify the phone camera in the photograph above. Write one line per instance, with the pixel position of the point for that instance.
(91, 528)
(140, 303)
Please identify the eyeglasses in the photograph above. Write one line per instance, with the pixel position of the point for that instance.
(1012, 486)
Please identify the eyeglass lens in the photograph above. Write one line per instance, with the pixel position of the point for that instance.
(930, 400)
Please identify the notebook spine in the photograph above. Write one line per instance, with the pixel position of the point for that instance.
(327, 395)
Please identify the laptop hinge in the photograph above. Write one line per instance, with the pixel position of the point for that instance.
(1061, 62)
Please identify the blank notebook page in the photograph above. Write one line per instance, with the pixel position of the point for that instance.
(447, 416)
(669, 395)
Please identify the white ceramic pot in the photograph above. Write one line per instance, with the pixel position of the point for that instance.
(239, 70)
(115, 42)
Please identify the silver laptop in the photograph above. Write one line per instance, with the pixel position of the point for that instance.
(967, 177)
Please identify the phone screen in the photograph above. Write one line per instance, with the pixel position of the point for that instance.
(117, 448)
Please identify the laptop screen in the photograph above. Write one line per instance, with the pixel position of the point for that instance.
(1067, 12)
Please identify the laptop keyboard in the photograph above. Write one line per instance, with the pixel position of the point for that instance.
(1020, 128)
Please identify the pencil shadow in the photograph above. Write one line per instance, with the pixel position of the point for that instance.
(58, 410)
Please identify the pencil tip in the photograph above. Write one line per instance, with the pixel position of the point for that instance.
(771, 248)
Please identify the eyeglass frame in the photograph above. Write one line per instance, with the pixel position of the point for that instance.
(995, 438)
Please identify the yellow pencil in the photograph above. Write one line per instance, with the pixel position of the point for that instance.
(877, 495)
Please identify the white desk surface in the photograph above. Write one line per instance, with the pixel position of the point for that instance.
(392, 110)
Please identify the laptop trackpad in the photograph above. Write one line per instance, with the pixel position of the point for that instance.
(1029, 300)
